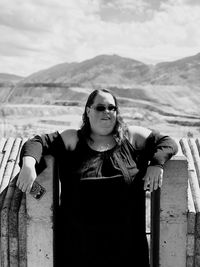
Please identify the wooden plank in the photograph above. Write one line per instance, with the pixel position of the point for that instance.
(7, 203)
(198, 144)
(7, 150)
(195, 153)
(16, 168)
(191, 151)
(2, 152)
(2, 197)
(11, 160)
(192, 174)
(4, 241)
(195, 156)
(13, 226)
(190, 256)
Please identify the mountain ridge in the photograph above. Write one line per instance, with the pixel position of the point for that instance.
(114, 69)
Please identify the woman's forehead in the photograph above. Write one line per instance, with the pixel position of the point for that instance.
(103, 97)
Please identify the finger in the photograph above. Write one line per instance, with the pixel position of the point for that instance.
(160, 181)
(18, 182)
(156, 180)
(151, 185)
(29, 188)
(21, 188)
(24, 187)
(155, 187)
(19, 185)
(146, 182)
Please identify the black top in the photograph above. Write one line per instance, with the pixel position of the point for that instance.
(102, 199)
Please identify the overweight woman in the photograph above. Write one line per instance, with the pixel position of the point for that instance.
(104, 169)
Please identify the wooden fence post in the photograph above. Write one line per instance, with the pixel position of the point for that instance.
(173, 214)
(40, 221)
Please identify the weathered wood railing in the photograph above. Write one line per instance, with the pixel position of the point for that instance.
(26, 224)
(169, 216)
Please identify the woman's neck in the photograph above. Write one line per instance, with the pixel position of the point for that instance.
(101, 142)
(101, 138)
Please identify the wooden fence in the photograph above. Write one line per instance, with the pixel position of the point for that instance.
(26, 224)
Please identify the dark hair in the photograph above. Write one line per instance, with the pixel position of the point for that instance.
(120, 129)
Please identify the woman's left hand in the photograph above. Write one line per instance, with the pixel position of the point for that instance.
(153, 178)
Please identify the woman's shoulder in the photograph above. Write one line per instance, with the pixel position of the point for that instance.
(70, 138)
(138, 135)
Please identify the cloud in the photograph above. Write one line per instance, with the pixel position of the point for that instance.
(178, 24)
(36, 34)
(22, 15)
(172, 32)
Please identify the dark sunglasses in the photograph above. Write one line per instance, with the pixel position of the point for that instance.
(102, 108)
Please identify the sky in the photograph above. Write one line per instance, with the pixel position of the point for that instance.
(38, 34)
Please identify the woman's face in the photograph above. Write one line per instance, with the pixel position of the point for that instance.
(102, 114)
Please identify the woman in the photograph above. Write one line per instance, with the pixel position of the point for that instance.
(105, 168)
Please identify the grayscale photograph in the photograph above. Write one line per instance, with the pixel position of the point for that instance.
(99, 133)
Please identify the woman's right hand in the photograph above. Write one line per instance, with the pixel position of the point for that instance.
(27, 174)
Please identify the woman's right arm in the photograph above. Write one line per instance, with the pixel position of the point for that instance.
(34, 149)
(31, 155)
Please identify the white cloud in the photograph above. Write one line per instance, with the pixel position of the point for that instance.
(36, 34)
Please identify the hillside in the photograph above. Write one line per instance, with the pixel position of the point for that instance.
(116, 70)
(7, 85)
(185, 71)
(102, 69)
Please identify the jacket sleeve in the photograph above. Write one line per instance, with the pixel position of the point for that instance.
(159, 149)
(39, 146)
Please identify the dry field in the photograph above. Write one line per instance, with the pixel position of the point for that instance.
(27, 120)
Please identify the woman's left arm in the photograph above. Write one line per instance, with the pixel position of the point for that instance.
(158, 149)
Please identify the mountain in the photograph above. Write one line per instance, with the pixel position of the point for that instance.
(103, 69)
(116, 70)
(9, 78)
(184, 71)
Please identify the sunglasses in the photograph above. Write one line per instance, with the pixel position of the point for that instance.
(102, 108)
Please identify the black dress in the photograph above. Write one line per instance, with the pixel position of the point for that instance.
(102, 212)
